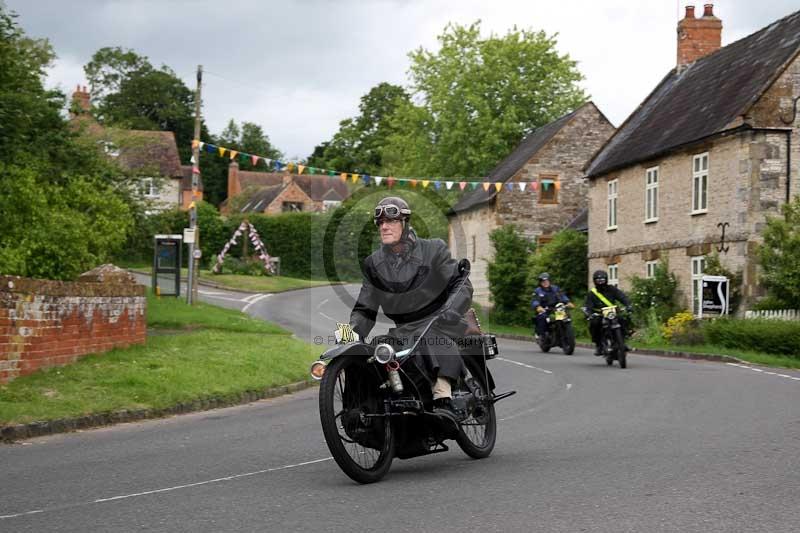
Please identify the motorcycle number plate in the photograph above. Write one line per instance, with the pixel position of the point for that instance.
(609, 310)
(560, 315)
(345, 334)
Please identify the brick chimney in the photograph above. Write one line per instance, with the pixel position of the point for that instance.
(698, 37)
(234, 185)
(80, 100)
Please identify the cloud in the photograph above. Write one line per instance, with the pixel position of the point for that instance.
(298, 68)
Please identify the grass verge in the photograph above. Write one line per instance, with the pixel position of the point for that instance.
(756, 358)
(219, 352)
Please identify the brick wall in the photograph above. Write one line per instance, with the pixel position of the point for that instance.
(292, 193)
(52, 323)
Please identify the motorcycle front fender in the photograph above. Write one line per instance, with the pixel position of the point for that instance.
(358, 348)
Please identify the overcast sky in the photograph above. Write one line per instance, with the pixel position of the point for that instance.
(299, 67)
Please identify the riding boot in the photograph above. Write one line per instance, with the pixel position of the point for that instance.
(598, 350)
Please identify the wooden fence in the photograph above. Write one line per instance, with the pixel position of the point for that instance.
(778, 314)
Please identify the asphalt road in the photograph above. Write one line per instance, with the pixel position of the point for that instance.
(666, 445)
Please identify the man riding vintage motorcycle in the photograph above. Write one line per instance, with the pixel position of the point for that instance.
(403, 394)
(411, 278)
(549, 299)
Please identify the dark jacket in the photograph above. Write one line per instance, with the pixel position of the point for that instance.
(410, 287)
(548, 297)
(612, 293)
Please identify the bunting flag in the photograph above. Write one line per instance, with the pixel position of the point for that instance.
(252, 235)
(367, 179)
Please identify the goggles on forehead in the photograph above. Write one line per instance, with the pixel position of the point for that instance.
(392, 212)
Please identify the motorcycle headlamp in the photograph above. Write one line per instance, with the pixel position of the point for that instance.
(318, 370)
(384, 353)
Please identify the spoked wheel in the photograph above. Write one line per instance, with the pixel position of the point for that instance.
(608, 345)
(362, 446)
(479, 431)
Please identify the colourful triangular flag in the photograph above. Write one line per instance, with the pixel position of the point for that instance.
(233, 154)
(413, 183)
(221, 151)
(254, 158)
(486, 185)
(300, 168)
(378, 180)
(365, 178)
(462, 184)
(448, 185)
(390, 182)
(522, 185)
(510, 186)
(195, 143)
(425, 183)
(535, 185)
(354, 177)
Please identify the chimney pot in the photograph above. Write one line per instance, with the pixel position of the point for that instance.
(708, 10)
(689, 12)
(698, 37)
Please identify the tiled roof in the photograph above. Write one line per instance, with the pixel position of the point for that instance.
(316, 187)
(705, 98)
(261, 198)
(509, 166)
(147, 151)
(580, 222)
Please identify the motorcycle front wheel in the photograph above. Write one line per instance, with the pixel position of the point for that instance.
(361, 445)
(621, 355)
(478, 432)
(568, 339)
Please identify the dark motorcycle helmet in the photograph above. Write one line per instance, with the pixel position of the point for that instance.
(544, 276)
(392, 208)
(600, 278)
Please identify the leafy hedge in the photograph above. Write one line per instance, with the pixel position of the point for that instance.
(770, 336)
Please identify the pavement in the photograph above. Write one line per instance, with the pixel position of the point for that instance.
(665, 445)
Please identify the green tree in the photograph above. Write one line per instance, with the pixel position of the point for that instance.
(128, 92)
(359, 143)
(505, 277)
(478, 98)
(64, 209)
(564, 258)
(780, 255)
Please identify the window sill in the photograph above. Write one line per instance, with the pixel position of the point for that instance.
(651, 221)
(611, 228)
(699, 212)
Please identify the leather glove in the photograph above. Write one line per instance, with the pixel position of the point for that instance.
(451, 316)
(539, 309)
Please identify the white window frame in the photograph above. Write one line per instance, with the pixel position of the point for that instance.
(651, 195)
(698, 266)
(611, 204)
(700, 166)
(613, 274)
(149, 188)
(650, 269)
(327, 205)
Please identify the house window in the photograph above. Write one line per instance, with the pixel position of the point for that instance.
(651, 195)
(698, 266)
(327, 205)
(650, 269)
(612, 204)
(613, 275)
(292, 206)
(548, 192)
(700, 183)
(110, 149)
(149, 187)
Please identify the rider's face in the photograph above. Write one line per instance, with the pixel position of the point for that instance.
(391, 231)
(544, 283)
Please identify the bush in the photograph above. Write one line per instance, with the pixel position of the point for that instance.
(651, 329)
(770, 303)
(771, 336)
(250, 266)
(506, 278)
(658, 293)
(780, 255)
(564, 258)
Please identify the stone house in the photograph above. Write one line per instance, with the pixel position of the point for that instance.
(151, 156)
(278, 192)
(542, 190)
(703, 161)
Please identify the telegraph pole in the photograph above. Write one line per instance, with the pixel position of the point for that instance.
(194, 247)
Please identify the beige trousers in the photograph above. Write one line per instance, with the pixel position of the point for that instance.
(441, 389)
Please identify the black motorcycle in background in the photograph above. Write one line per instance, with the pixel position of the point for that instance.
(612, 336)
(559, 330)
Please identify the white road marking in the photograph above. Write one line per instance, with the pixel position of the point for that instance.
(21, 514)
(250, 298)
(523, 364)
(328, 317)
(209, 292)
(569, 386)
(765, 372)
(323, 302)
(238, 300)
(169, 489)
(255, 300)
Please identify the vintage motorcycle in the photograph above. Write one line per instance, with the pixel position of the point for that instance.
(559, 330)
(613, 339)
(375, 403)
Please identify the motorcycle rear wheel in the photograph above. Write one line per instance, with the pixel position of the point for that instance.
(478, 432)
(349, 390)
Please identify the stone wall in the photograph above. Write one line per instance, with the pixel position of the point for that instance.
(746, 183)
(52, 323)
(292, 193)
(469, 237)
